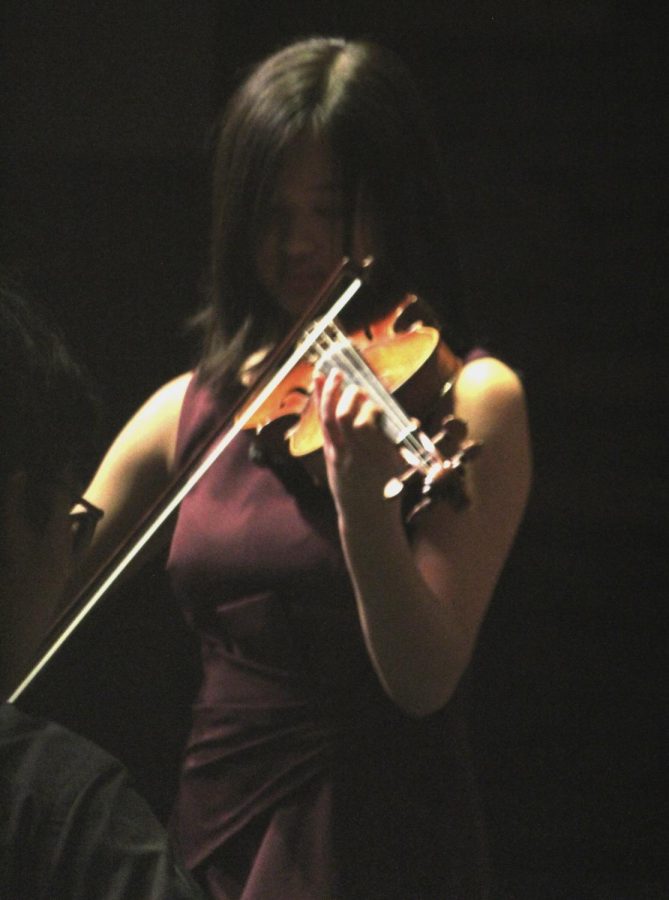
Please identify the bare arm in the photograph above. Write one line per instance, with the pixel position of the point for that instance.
(421, 603)
(134, 472)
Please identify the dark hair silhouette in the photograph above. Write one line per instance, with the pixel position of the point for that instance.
(361, 101)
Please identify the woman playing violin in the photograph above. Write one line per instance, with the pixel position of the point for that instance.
(327, 756)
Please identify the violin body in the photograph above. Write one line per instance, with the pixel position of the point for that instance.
(413, 363)
(407, 369)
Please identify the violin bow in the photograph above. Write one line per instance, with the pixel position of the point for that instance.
(342, 285)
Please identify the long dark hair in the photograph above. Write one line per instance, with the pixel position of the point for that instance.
(360, 99)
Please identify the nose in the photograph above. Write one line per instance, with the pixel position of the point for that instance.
(298, 236)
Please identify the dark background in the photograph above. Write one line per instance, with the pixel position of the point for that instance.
(550, 113)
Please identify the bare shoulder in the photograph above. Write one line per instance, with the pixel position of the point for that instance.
(490, 397)
(154, 426)
(136, 469)
(490, 391)
(167, 400)
(141, 457)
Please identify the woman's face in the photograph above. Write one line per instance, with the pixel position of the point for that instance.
(302, 238)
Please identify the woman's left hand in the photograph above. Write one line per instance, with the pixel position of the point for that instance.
(359, 458)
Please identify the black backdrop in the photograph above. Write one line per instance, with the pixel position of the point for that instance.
(550, 113)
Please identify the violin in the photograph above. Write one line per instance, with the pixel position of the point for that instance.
(389, 361)
(408, 371)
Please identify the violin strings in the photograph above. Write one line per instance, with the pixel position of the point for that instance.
(353, 365)
(358, 370)
(339, 350)
(335, 345)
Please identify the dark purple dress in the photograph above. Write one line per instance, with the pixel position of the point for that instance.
(300, 779)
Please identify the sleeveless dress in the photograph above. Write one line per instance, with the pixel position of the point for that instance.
(301, 780)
